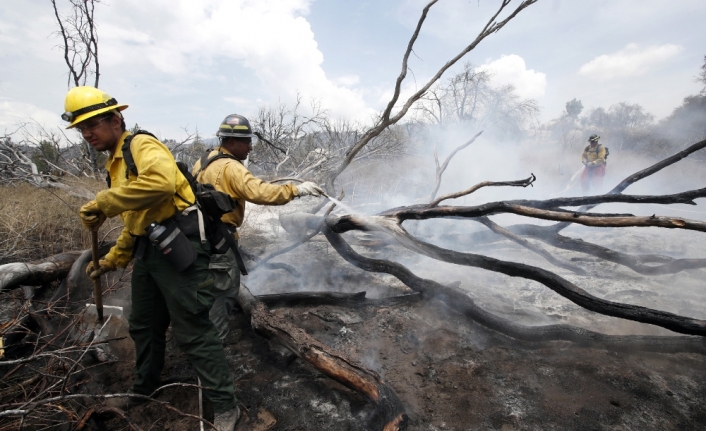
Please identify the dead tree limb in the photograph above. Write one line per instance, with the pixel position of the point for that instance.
(352, 300)
(637, 176)
(673, 322)
(485, 221)
(13, 275)
(390, 413)
(312, 298)
(588, 219)
(441, 169)
(638, 263)
(520, 183)
(387, 119)
(421, 212)
(459, 300)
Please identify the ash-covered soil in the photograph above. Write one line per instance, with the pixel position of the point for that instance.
(450, 373)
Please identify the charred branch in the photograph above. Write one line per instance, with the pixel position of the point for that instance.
(533, 247)
(390, 412)
(638, 263)
(352, 300)
(440, 169)
(458, 300)
(560, 285)
(522, 207)
(520, 183)
(387, 118)
(13, 275)
(637, 176)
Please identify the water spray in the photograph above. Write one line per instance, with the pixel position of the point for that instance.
(339, 203)
(572, 182)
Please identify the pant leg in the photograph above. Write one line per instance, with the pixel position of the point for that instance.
(189, 296)
(226, 277)
(149, 320)
(597, 178)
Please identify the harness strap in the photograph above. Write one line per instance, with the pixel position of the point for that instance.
(205, 161)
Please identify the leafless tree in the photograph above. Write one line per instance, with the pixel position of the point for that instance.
(80, 41)
(388, 118)
(471, 99)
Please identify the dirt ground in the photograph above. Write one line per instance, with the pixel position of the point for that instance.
(451, 373)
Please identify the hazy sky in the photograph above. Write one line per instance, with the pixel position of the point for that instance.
(189, 63)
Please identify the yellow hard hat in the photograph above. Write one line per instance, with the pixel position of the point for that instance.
(83, 103)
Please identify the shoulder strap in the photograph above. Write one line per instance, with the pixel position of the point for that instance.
(205, 161)
(127, 154)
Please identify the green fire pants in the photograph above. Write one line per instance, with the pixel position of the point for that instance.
(226, 276)
(160, 295)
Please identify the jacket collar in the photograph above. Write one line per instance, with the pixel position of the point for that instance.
(118, 154)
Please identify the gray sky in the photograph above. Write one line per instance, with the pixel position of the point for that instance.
(189, 63)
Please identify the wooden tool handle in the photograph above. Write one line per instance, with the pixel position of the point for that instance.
(97, 289)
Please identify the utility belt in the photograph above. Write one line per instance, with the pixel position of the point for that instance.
(171, 237)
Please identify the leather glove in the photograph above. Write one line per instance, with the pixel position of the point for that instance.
(309, 188)
(104, 266)
(91, 215)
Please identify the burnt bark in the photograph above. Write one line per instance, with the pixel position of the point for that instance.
(458, 300)
(638, 263)
(562, 286)
(390, 414)
(13, 275)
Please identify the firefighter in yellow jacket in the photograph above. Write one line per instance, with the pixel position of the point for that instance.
(228, 174)
(161, 293)
(594, 159)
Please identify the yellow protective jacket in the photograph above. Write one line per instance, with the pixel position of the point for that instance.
(231, 176)
(140, 200)
(596, 154)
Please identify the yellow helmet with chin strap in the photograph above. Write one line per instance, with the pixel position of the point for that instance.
(82, 103)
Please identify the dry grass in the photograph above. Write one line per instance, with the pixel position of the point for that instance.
(36, 222)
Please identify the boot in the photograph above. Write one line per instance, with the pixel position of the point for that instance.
(226, 421)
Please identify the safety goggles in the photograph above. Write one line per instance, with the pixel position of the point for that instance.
(91, 125)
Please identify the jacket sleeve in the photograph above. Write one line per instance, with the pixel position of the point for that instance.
(584, 156)
(154, 184)
(252, 189)
(121, 252)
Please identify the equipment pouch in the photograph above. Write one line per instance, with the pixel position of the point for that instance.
(168, 238)
(220, 236)
(189, 222)
(222, 239)
(213, 202)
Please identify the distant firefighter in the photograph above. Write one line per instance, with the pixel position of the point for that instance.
(594, 159)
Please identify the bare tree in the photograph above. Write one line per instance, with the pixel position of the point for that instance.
(471, 99)
(387, 118)
(285, 136)
(80, 41)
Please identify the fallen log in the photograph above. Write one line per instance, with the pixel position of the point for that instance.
(638, 263)
(560, 285)
(459, 300)
(352, 300)
(77, 287)
(534, 248)
(14, 275)
(390, 413)
(312, 298)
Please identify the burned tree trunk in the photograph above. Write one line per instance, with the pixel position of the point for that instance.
(390, 414)
(560, 285)
(460, 301)
(13, 275)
